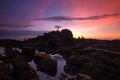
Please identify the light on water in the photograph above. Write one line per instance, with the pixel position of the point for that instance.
(2, 51)
(60, 68)
(43, 76)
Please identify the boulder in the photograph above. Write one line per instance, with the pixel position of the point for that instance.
(28, 52)
(22, 70)
(5, 71)
(41, 55)
(45, 63)
(48, 66)
(66, 53)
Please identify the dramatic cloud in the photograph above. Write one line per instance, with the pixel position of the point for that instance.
(82, 17)
(66, 18)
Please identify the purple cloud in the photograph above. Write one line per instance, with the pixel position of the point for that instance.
(66, 18)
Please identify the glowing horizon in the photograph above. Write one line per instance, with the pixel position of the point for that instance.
(98, 19)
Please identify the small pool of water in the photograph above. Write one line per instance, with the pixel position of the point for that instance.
(60, 69)
(2, 51)
(43, 76)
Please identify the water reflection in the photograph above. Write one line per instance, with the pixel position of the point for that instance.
(2, 51)
(60, 68)
(43, 76)
(18, 49)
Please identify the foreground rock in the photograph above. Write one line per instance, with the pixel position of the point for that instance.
(45, 63)
(9, 56)
(99, 65)
(21, 70)
(28, 53)
(83, 77)
(48, 66)
(5, 71)
(65, 52)
(41, 55)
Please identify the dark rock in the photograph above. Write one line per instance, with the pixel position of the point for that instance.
(71, 79)
(98, 65)
(83, 77)
(41, 55)
(76, 64)
(9, 56)
(67, 37)
(63, 77)
(66, 33)
(66, 53)
(45, 63)
(7, 50)
(5, 71)
(28, 52)
(48, 66)
(21, 70)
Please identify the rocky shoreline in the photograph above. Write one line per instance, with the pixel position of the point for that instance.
(86, 59)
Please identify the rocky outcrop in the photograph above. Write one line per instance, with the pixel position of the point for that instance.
(65, 52)
(9, 55)
(100, 65)
(5, 71)
(21, 70)
(14, 66)
(45, 63)
(86, 59)
(48, 66)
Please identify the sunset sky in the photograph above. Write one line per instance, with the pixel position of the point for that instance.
(99, 19)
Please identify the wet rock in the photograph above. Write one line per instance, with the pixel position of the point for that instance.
(76, 64)
(63, 77)
(28, 52)
(25, 73)
(66, 53)
(7, 50)
(9, 56)
(41, 55)
(71, 79)
(5, 71)
(21, 70)
(48, 66)
(98, 65)
(83, 77)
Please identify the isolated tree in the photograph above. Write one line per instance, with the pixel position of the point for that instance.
(57, 27)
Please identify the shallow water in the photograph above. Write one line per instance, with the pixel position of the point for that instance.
(2, 51)
(43, 76)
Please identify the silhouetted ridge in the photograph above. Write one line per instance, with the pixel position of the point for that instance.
(54, 40)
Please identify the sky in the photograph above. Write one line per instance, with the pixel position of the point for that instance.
(98, 19)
